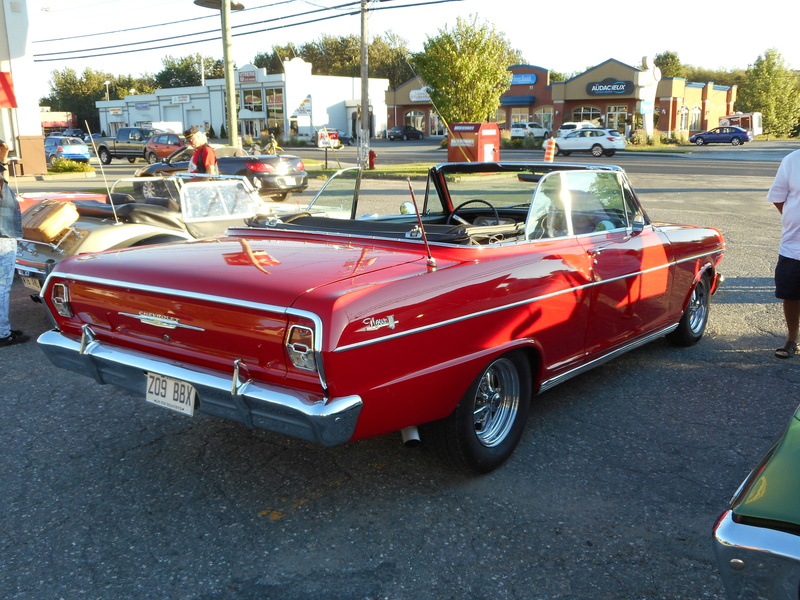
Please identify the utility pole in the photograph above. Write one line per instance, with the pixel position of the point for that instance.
(363, 138)
(224, 7)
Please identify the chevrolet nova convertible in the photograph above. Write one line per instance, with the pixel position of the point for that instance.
(437, 312)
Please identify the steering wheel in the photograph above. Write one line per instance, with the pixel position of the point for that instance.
(453, 216)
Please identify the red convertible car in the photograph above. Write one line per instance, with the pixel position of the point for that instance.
(438, 316)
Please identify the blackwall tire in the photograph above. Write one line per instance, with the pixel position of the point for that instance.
(488, 422)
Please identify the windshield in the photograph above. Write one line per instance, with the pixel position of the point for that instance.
(214, 199)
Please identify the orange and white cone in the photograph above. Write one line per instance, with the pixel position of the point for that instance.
(549, 150)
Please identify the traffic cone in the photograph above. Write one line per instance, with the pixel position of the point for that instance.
(549, 150)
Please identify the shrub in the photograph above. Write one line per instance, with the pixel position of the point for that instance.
(62, 165)
(639, 138)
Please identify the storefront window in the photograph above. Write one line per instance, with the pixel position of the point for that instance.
(683, 125)
(437, 125)
(253, 100)
(586, 113)
(275, 110)
(519, 114)
(616, 117)
(544, 116)
(416, 118)
(696, 119)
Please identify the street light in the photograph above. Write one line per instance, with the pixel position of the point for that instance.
(107, 83)
(225, 7)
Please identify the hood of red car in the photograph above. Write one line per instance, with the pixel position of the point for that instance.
(266, 270)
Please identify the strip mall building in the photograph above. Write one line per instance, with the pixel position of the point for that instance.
(612, 93)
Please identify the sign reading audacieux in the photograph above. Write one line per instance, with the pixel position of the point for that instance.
(610, 86)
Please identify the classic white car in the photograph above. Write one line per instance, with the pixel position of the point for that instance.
(137, 212)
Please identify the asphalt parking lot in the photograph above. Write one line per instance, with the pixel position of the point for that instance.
(611, 494)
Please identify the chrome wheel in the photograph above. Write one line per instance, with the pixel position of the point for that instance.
(697, 311)
(488, 422)
(693, 323)
(597, 150)
(496, 402)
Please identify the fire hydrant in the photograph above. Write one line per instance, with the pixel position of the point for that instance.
(371, 159)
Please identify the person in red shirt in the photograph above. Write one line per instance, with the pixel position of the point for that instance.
(204, 159)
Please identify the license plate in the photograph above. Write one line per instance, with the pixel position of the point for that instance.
(32, 283)
(170, 393)
(289, 181)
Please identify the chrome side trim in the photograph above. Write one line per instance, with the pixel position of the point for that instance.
(260, 405)
(549, 383)
(756, 562)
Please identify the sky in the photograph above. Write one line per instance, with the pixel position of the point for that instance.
(565, 37)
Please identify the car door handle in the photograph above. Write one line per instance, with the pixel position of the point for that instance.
(593, 252)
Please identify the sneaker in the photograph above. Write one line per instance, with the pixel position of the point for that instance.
(16, 337)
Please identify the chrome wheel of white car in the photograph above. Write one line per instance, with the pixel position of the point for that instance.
(486, 426)
(597, 150)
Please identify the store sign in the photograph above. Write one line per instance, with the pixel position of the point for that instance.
(523, 79)
(142, 106)
(247, 76)
(304, 109)
(419, 95)
(115, 111)
(182, 99)
(610, 87)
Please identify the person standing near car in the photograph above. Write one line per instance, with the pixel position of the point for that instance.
(10, 230)
(785, 195)
(204, 159)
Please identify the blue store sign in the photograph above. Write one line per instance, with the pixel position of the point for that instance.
(610, 87)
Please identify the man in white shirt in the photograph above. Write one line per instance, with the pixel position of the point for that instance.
(785, 195)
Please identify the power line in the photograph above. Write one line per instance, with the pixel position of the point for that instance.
(181, 22)
(218, 37)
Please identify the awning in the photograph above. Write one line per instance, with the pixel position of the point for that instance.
(7, 97)
(517, 100)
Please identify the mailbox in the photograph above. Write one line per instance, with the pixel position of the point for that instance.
(474, 142)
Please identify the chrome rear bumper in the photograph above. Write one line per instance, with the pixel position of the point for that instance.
(273, 408)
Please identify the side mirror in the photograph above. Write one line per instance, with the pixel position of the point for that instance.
(638, 224)
(407, 208)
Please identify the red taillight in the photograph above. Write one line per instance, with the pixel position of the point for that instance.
(260, 167)
(60, 149)
(299, 166)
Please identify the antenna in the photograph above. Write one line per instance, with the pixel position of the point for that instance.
(431, 260)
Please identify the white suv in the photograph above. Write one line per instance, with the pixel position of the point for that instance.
(596, 141)
(519, 130)
(571, 126)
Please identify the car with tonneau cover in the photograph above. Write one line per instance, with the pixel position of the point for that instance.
(439, 316)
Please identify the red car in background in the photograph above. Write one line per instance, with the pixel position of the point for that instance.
(161, 146)
(368, 312)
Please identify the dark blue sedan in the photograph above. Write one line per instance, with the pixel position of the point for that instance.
(734, 136)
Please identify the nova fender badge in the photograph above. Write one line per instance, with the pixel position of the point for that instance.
(373, 324)
(157, 320)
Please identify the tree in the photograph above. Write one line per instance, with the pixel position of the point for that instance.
(466, 69)
(77, 94)
(341, 56)
(771, 88)
(670, 64)
(185, 72)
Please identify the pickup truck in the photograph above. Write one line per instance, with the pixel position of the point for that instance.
(129, 143)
